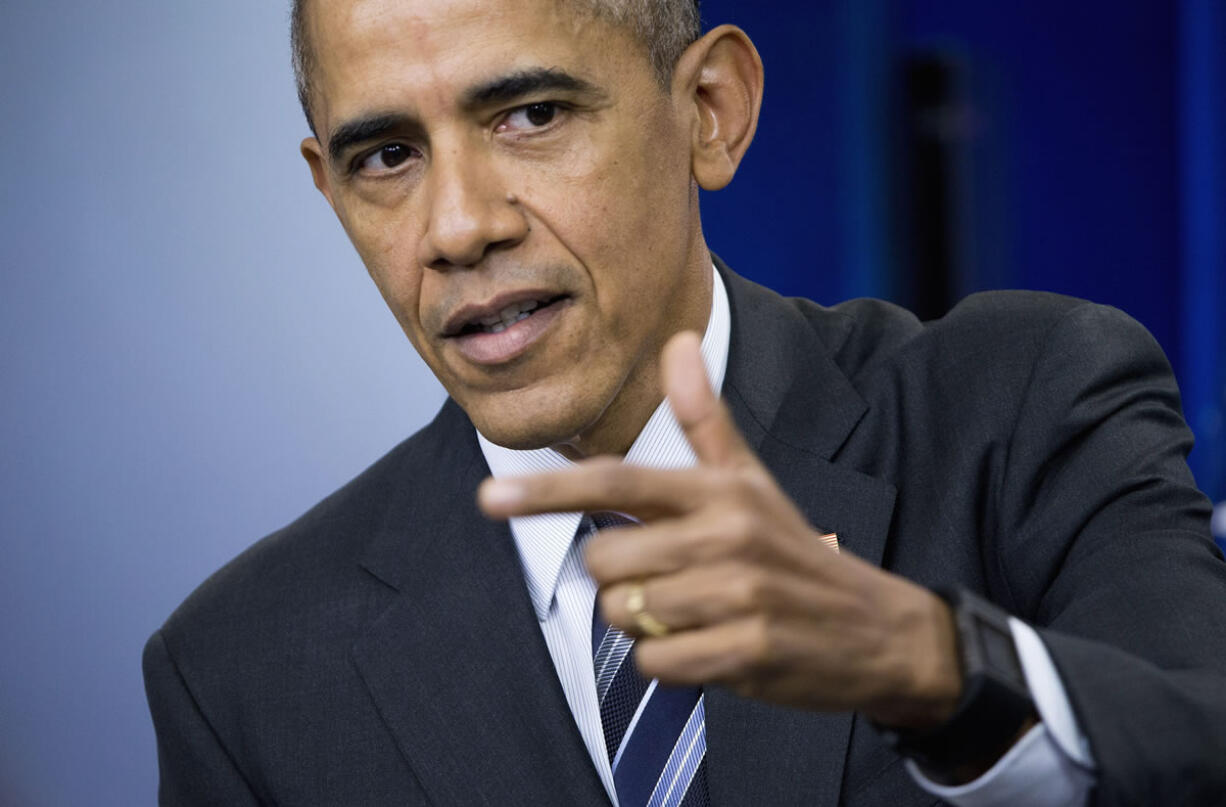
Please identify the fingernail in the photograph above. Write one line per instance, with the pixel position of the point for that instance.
(501, 493)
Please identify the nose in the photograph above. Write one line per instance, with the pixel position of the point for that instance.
(470, 211)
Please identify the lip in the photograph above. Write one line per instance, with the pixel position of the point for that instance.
(475, 312)
(488, 349)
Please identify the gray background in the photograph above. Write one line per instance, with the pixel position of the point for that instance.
(191, 354)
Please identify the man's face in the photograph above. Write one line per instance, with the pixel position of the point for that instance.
(518, 185)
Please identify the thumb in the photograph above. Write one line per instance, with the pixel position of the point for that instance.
(703, 417)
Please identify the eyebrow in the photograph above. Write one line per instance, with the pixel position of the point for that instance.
(526, 82)
(361, 130)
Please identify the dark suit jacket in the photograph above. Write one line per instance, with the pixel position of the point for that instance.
(382, 649)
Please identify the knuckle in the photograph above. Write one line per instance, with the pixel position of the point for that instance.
(748, 590)
(756, 486)
(739, 529)
(758, 645)
(723, 484)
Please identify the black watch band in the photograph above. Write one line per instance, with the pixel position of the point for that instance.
(995, 701)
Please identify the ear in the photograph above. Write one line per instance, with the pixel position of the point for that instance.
(721, 76)
(313, 153)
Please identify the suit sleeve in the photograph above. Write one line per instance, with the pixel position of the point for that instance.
(194, 768)
(1103, 540)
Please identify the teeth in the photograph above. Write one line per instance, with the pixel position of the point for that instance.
(509, 316)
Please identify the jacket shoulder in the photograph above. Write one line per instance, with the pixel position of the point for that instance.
(865, 335)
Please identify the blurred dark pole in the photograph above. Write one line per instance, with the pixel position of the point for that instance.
(1203, 145)
(933, 137)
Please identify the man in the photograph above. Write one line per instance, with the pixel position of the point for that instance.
(521, 178)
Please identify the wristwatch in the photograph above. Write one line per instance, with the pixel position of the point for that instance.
(995, 701)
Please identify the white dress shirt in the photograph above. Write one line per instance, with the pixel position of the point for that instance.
(1051, 765)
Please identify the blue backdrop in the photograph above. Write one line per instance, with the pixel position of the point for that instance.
(192, 355)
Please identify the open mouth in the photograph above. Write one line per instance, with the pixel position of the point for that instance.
(507, 316)
(503, 329)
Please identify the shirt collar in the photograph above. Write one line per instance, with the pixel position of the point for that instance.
(544, 540)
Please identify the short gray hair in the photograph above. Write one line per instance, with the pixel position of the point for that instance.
(665, 27)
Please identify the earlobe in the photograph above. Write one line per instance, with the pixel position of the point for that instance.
(313, 153)
(724, 80)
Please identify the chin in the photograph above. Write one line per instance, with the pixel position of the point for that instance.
(523, 426)
(525, 436)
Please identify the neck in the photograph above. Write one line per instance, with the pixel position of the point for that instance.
(618, 427)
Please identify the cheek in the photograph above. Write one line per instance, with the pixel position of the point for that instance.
(637, 223)
(619, 200)
(387, 248)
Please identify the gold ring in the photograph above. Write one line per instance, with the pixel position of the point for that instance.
(636, 604)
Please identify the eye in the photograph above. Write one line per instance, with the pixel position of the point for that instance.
(385, 158)
(530, 116)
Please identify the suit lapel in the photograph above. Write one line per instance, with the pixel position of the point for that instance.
(797, 409)
(457, 664)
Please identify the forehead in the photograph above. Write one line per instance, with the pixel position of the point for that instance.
(415, 53)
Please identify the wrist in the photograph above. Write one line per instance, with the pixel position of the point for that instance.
(994, 708)
(929, 679)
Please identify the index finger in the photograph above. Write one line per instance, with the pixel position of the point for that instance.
(602, 484)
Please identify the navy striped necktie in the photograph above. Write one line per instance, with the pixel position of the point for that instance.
(655, 735)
